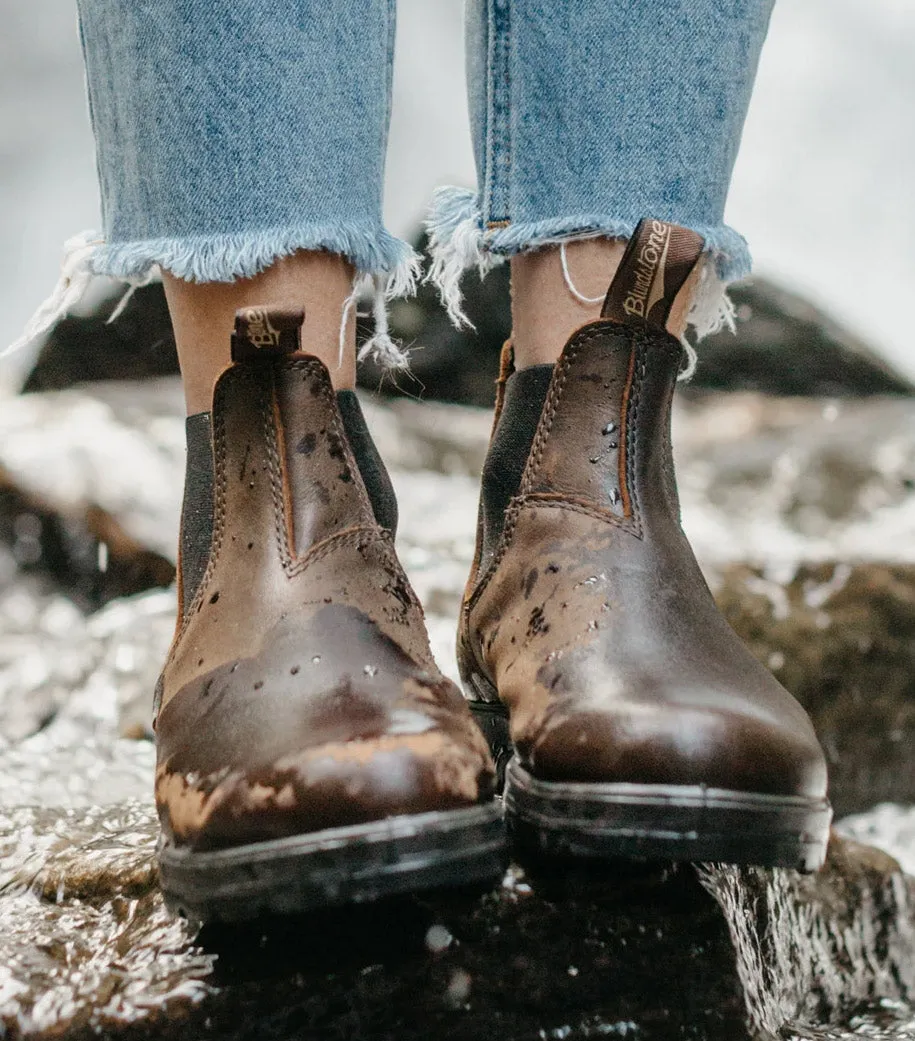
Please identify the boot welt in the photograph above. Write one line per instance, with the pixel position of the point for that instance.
(664, 822)
(353, 864)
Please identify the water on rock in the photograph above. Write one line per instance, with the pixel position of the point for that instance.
(775, 493)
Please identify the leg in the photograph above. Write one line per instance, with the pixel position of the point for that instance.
(587, 119)
(556, 289)
(544, 310)
(308, 749)
(635, 721)
(203, 315)
(241, 189)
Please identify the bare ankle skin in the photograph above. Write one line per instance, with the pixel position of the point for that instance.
(203, 315)
(545, 312)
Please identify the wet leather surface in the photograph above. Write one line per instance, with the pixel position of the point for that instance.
(593, 624)
(300, 692)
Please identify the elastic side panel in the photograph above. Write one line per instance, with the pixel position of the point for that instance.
(197, 510)
(371, 466)
(525, 394)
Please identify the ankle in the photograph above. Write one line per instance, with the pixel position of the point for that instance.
(203, 316)
(558, 289)
(545, 310)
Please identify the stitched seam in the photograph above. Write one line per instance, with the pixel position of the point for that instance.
(545, 426)
(622, 471)
(554, 396)
(330, 397)
(486, 186)
(276, 479)
(332, 542)
(499, 143)
(508, 110)
(387, 543)
(632, 419)
(530, 470)
(630, 524)
(289, 560)
(506, 368)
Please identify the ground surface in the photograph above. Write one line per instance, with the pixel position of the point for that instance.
(775, 492)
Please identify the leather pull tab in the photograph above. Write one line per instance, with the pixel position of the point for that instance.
(266, 332)
(657, 261)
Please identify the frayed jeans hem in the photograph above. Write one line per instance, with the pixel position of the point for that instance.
(459, 239)
(227, 257)
(391, 264)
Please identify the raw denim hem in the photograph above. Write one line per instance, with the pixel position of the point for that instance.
(723, 245)
(226, 257)
(391, 264)
(459, 239)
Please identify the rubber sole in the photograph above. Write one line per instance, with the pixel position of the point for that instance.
(354, 864)
(655, 822)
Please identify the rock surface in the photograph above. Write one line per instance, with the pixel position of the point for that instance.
(566, 954)
(774, 492)
(841, 638)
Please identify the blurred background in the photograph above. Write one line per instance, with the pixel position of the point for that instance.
(795, 451)
(823, 189)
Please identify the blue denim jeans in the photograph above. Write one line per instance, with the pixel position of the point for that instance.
(589, 115)
(229, 134)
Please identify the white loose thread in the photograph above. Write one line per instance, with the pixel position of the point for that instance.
(692, 360)
(360, 283)
(711, 311)
(570, 285)
(380, 346)
(75, 276)
(455, 245)
(152, 275)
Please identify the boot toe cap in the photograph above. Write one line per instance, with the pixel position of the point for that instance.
(328, 786)
(662, 745)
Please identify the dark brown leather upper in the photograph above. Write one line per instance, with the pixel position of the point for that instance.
(300, 692)
(588, 616)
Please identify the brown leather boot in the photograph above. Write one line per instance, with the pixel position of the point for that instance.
(309, 749)
(636, 723)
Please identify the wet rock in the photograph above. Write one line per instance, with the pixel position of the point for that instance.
(770, 489)
(38, 674)
(568, 953)
(86, 348)
(841, 638)
(784, 345)
(117, 448)
(769, 479)
(89, 488)
(87, 553)
(69, 681)
(889, 825)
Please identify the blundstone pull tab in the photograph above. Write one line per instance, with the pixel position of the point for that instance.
(657, 261)
(266, 331)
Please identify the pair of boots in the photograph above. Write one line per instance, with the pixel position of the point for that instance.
(309, 749)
